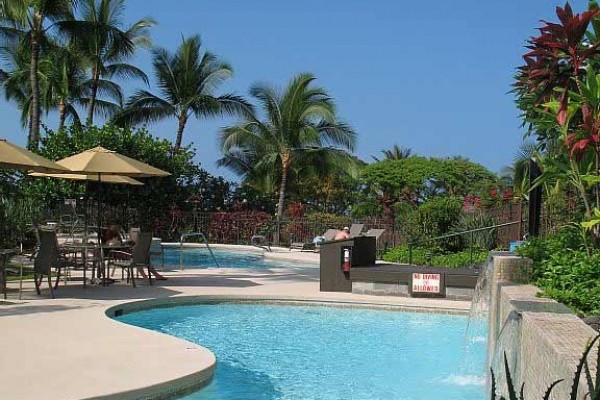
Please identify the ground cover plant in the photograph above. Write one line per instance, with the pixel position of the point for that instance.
(436, 257)
(565, 267)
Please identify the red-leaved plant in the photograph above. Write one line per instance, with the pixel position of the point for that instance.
(557, 57)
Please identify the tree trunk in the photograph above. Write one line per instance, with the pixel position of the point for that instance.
(182, 121)
(34, 123)
(94, 94)
(284, 174)
(62, 113)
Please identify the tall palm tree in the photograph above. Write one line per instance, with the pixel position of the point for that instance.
(15, 79)
(188, 80)
(395, 153)
(29, 21)
(108, 46)
(66, 80)
(300, 131)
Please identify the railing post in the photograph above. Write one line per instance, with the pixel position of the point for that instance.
(471, 256)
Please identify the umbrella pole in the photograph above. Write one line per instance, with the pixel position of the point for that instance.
(101, 266)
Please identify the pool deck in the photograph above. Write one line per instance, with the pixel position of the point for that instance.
(68, 348)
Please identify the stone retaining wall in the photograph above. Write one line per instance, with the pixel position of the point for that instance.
(550, 339)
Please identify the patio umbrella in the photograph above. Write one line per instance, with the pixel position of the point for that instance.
(115, 179)
(100, 162)
(15, 157)
(112, 179)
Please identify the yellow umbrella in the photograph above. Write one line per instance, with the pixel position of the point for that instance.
(116, 179)
(13, 156)
(100, 161)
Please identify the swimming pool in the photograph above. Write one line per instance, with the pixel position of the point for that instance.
(275, 352)
(199, 257)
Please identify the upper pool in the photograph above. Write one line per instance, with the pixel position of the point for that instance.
(199, 257)
(274, 352)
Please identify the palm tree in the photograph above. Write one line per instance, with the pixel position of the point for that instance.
(395, 153)
(66, 79)
(300, 132)
(517, 174)
(26, 20)
(188, 80)
(14, 78)
(108, 46)
(16, 84)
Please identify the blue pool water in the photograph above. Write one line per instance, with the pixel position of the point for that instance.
(274, 352)
(194, 257)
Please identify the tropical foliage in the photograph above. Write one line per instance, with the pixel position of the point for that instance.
(557, 90)
(187, 177)
(395, 153)
(566, 269)
(300, 136)
(188, 80)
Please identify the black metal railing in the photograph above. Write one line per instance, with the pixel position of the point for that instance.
(470, 232)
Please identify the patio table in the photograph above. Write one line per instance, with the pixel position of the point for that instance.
(84, 248)
(101, 249)
(5, 255)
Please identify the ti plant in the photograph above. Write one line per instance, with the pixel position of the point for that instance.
(582, 367)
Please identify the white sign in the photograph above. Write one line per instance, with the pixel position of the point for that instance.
(426, 283)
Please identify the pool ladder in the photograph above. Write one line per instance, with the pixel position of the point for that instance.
(194, 234)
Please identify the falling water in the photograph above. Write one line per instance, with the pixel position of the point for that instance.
(477, 326)
(505, 345)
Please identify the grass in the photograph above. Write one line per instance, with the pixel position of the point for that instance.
(13, 271)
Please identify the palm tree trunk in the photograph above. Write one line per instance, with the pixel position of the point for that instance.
(284, 175)
(62, 113)
(34, 124)
(182, 121)
(93, 95)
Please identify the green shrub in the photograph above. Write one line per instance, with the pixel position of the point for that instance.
(487, 239)
(566, 269)
(572, 277)
(460, 259)
(435, 257)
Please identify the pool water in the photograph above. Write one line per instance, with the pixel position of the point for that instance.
(275, 352)
(200, 258)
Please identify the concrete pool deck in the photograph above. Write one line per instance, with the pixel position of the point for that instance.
(68, 348)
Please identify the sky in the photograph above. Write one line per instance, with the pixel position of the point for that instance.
(433, 76)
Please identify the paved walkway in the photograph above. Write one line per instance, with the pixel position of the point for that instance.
(67, 348)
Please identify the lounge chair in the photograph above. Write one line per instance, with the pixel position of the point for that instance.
(328, 235)
(356, 229)
(375, 232)
(48, 257)
(138, 258)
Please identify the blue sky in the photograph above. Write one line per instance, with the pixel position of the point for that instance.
(429, 75)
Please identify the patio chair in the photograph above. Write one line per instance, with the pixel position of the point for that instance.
(375, 232)
(356, 229)
(133, 234)
(261, 242)
(328, 235)
(138, 258)
(156, 250)
(49, 256)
